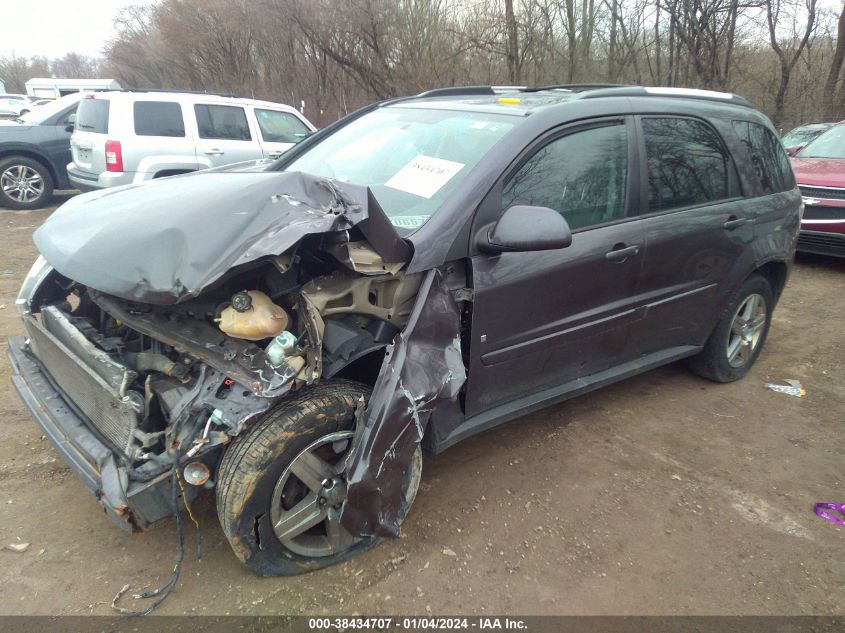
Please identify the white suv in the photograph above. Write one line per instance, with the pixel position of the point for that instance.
(132, 136)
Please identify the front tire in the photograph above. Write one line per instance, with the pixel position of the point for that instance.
(24, 184)
(280, 488)
(740, 334)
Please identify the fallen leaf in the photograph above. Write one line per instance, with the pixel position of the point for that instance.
(18, 547)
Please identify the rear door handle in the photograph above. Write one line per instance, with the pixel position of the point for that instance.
(621, 252)
(734, 222)
(214, 152)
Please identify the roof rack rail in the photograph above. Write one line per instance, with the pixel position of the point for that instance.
(457, 91)
(573, 87)
(662, 91)
(186, 92)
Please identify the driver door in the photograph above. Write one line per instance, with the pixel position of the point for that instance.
(545, 318)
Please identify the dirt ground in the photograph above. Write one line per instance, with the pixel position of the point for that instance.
(664, 494)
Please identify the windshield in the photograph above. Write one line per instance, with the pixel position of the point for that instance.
(802, 135)
(41, 113)
(410, 158)
(831, 144)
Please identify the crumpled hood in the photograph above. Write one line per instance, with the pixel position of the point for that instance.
(164, 241)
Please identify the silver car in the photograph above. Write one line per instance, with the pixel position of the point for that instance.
(130, 137)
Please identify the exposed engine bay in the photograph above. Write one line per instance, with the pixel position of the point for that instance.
(226, 356)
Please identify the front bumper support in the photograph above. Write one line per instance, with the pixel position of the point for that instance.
(134, 506)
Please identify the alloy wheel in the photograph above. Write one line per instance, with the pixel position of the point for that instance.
(746, 330)
(307, 499)
(22, 183)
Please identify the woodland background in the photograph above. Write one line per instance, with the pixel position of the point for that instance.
(786, 56)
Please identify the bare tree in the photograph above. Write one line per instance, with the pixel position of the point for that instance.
(789, 46)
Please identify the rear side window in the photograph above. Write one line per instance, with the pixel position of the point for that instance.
(92, 115)
(158, 118)
(767, 157)
(582, 176)
(222, 122)
(280, 127)
(687, 163)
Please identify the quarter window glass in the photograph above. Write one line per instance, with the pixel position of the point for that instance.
(158, 118)
(222, 122)
(687, 163)
(280, 127)
(582, 176)
(767, 157)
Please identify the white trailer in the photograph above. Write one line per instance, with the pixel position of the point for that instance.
(52, 88)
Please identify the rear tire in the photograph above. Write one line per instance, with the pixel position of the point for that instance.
(261, 501)
(740, 334)
(24, 184)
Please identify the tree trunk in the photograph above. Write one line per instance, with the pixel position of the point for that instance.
(513, 44)
(833, 93)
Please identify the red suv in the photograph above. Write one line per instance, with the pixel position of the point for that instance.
(820, 171)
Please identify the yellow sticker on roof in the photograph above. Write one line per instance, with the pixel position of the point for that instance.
(510, 100)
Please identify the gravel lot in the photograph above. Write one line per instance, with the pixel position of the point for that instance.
(663, 494)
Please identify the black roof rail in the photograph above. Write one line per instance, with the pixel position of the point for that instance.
(672, 93)
(573, 87)
(457, 91)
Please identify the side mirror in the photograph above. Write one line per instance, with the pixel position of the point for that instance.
(524, 228)
(71, 123)
(792, 151)
(302, 136)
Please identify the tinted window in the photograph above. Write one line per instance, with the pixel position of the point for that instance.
(280, 127)
(687, 163)
(767, 156)
(158, 118)
(581, 175)
(93, 116)
(224, 122)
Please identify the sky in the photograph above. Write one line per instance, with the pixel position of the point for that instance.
(55, 27)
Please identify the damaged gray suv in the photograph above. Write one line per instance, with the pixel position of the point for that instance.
(294, 335)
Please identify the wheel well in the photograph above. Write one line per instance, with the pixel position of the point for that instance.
(33, 156)
(365, 369)
(164, 173)
(775, 273)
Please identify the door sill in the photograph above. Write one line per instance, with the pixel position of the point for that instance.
(558, 393)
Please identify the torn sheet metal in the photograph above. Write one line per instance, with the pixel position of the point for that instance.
(422, 368)
(163, 242)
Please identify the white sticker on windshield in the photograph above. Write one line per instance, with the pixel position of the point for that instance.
(408, 221)
(424, 176)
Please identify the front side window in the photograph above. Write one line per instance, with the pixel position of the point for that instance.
(222, 122)
(687, 163)
(767, 156)
(582, 176)
(280, 127)
(410, 158)
(158, 118)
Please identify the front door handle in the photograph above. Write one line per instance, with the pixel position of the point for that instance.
(734, 222)
(621, 252)
(214, 152)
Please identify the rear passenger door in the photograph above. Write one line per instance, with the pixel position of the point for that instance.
(697, 225)
(162, 142)
(544, 319)
(224, 135)
(279, 131)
